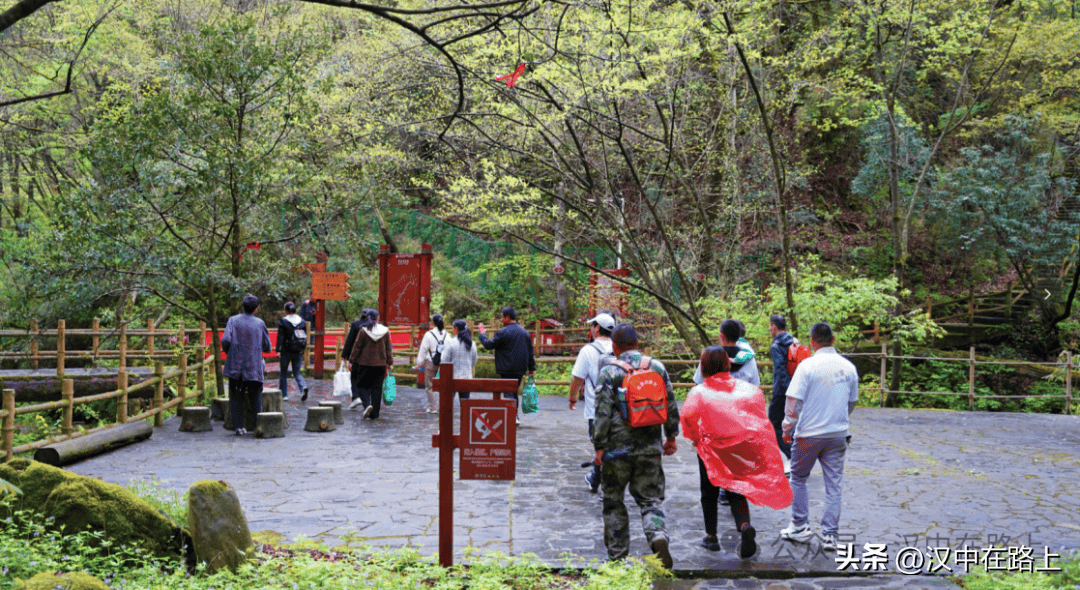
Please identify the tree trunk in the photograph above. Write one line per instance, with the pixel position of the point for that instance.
(90, 445)
(562, 293)
(215, 339)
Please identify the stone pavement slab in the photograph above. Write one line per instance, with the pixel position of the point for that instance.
(913, 478)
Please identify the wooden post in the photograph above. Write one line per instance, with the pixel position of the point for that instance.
(96, 339)
(884, 368)
(67, 393)
(8, 430)
(34, 344)
(877, 332)
(159, 392)
(181, 383)
(971, 314)
(121, 344)
(539, 337)
(122, 402)
(200, 375)
(1068, 381)
(971, 380)
(60, 325)
(150, 338)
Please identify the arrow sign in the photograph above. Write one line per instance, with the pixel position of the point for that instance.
(332, 286)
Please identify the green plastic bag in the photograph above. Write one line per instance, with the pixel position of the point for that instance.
(530, 397)
(389, 390)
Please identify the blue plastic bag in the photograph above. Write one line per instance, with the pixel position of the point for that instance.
(389, 390)
(530, 397)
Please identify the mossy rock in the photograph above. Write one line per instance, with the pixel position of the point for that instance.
(78, 503)
(63, 581)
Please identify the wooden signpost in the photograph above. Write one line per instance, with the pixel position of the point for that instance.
(325, 286)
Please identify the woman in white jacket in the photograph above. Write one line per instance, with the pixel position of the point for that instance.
(433, 340)
(461, 352)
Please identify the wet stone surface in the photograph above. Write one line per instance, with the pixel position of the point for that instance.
(912, 479)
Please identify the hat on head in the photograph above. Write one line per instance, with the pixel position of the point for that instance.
(603, 320)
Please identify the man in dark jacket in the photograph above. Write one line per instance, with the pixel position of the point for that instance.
(513, 349)
(779, 353)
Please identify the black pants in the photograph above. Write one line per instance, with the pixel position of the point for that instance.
(513, 395)
(595, 468)
(245, 402)
(710, 498)
(367, 382)
(776, 416)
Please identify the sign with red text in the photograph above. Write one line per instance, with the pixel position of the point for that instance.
(488, 439)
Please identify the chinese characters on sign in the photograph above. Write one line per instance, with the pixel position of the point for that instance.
(487, 439)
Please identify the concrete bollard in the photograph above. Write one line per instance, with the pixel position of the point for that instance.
(320, 419)
(339, 417)
(270, 425)
(195, 419)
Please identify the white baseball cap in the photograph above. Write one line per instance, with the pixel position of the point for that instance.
(603, 320)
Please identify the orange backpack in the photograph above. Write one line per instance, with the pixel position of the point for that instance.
(643, 395)
(797, 352)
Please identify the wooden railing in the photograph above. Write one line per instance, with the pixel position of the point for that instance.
(68, 401)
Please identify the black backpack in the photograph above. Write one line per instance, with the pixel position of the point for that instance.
(295, 337)
(436, 358)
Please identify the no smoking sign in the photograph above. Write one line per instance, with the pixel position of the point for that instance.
(489, 439)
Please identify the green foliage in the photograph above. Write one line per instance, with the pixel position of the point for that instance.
(153, 492)
(1067, 579)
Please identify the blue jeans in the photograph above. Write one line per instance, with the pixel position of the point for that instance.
(830, 453)
(296, 360)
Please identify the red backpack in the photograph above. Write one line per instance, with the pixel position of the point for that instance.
(797, 352)
(643, 395)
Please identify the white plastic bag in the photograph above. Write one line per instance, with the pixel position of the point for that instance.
(342, 383)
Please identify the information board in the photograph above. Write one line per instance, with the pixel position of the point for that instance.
(405, 287)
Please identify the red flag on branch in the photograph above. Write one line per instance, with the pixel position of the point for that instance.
(512, 79)
(250, 246)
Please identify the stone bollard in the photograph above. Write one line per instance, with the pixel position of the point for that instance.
(219, 531)
(270, 425)
(339, 418)
(219, 409)
(195, 419)
(320, 419)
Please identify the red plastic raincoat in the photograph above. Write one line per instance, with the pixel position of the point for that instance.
(727, 421)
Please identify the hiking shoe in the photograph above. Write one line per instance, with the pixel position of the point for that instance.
(748, 547)
(368, 410)
(828, 543)
(711, 543)
(593, 486)
(240, 432)
(660, 548)
(799, 534)
(303, 397)
(356, 403)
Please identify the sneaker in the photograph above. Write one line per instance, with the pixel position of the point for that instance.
(356, 403)
(711, 543)
(660, 548)
(284, 397)
(593, 487)
(748, 547)
(799, 534)
(303, 396)
(240, 432)
(432, 411)
(828, 543)
(368, 410)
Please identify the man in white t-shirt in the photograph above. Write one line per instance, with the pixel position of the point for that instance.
(584, 377)
(821, 396)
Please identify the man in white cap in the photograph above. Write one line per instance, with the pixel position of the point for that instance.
(584, 376)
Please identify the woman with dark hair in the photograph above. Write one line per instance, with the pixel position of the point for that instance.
(371, 358)
(428, 358)
(461, 353)
(290, 346)
(728, 422)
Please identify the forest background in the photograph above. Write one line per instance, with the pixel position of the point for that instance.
(827, 160)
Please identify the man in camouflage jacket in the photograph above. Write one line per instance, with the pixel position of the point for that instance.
(640, 468)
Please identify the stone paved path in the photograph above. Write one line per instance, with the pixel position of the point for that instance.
(913, 478)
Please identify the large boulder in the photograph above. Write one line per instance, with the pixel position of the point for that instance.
(219, 530)
(63, 581)
(79, 503)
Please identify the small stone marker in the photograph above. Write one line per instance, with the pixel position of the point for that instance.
(270, 425)
(195, 419)
(339, 418)
(219, 409)
(219, 530)
(320, 419)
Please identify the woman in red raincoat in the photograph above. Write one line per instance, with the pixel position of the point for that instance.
(727, 420)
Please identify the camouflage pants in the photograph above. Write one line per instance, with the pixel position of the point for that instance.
(645, 476)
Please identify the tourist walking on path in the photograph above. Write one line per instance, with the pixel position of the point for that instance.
(726, 420)
(461, 353)
(513, 350)
(640, 469)
(779, 353)
(244, 341)
(821, 396)
(739, 352)
(585, 375)
(291, 342)
(371, 358)
(429, 357)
